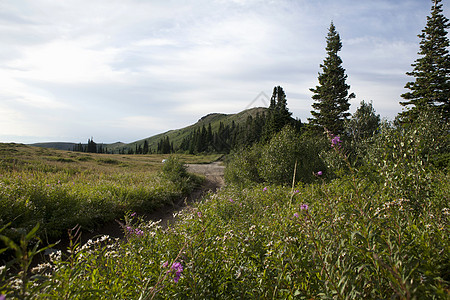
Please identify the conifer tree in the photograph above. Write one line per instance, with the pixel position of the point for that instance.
(278, 115)
(145, 149)
(331, 106)
(431, 86)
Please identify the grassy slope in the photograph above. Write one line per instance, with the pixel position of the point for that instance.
(176, 136)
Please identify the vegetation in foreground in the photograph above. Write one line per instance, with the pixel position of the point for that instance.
(60, 189)
(373, 232)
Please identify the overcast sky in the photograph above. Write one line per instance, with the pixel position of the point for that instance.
(123, 70)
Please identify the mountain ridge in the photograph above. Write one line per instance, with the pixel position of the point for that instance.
(175, 135)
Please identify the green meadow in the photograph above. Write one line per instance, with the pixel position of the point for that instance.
(61, 189)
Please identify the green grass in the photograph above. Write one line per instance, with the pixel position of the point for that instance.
(353, 236)
(61, 189)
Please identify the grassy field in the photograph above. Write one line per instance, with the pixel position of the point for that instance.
(60, 189)
(378, 230)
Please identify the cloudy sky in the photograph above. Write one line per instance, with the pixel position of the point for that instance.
(123, 70)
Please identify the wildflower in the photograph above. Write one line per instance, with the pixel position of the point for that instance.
(296, 215)
(296, 191)
(319, 173)
(265, 189)
(165, 264)
(138, 232)
(199, 214)
(336, 142)
(133, 214)
(2, 297)
(304, 207)
(178, 268)
(231, 200)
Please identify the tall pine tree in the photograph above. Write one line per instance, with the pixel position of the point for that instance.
(431, 87)
(331, 107)
(278, 115)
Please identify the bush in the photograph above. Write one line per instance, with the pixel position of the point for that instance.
(242, 167)
(275, 161)
(174, 169)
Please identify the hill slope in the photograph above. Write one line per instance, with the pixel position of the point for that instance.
(176, 136)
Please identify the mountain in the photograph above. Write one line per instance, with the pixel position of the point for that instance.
(54, 145)
(70, 146)
(176, 136)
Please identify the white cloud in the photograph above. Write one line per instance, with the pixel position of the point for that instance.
(112, 68)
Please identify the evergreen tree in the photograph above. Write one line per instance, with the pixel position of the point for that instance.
(431, 71)
(278, 114)
(91, 146)
(331, 107)
(145, 149)
(364, 123)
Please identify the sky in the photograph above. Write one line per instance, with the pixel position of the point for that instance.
(124, 70)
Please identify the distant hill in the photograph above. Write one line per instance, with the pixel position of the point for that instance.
(176, 136)
(55, 145)
(70, 146)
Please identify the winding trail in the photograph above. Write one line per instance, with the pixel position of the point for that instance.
(214, 179)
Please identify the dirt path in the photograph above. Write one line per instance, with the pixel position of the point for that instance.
(214, 180)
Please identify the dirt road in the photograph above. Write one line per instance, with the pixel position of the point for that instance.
(214, 180)
(213, 173)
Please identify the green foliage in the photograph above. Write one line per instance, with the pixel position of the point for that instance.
(364, 123)
(404, 157)
(278, 115)
(242, 166)
(345, 239)
(174, 169)
(276, 161)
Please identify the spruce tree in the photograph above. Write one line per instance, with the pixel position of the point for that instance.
(431, 87)
(331, 107)
(278, 115)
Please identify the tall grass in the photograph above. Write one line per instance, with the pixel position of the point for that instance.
(62, 189)
(356, 234)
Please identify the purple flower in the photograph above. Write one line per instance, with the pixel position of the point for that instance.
(2, 297)
(134, 214)
(178, 269)
(319, 173)
(165, 264)
(129, 229)
(304, 207)
(336, 142)
(199, 214)
(231, 200)
(296, 215)
(296, 191)
(138, 232)
(265, 189)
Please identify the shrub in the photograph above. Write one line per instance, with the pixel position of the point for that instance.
(242, 166)
(174, 169)
(275, 161)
